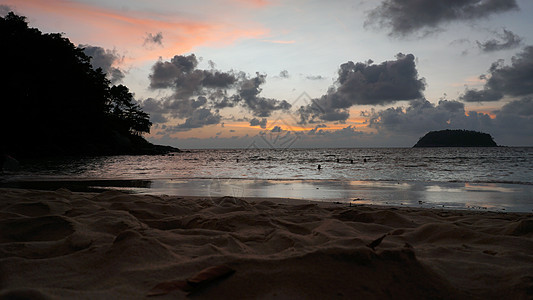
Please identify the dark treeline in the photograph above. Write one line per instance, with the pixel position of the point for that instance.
(456, 138)
(54, 103)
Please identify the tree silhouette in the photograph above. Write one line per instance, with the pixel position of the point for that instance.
(54, 103)
(126, 113)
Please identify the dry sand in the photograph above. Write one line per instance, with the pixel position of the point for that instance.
(118, 246)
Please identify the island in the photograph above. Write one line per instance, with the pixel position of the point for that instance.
(456, 138)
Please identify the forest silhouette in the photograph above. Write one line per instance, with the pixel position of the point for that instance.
(54, 103)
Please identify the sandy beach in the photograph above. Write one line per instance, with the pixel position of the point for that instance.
(112, 245)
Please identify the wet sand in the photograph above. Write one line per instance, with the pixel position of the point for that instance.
(449, 195)
(60, 244)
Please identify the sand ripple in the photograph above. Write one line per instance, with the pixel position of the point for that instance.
(114, 245)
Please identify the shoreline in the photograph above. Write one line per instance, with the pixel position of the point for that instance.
(61, 244)
(502, 197)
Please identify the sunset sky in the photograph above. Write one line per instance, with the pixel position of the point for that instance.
(273, 73)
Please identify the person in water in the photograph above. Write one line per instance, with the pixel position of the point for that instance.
(319, 167)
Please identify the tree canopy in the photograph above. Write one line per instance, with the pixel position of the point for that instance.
(54, 103)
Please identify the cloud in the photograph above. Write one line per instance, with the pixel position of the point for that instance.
(348, 131)
(514, 122)
(214, 88)
(511, 125)
(155, 109)
(248, 93)
(182, 76)
(315, 77)
(481, 95)
(366, 84)
(256, 122)
(166, 74)
(513, 80)
(199, 118)
(404, 17)
(284, 74)
(195, 112)
(105, 59)
(5, 9)
(276, 129)
(161, 110)
(387, 82)
(153, 39)
(419, 117)
(507, 40)
(400, 126)
(316, 130)
(102, 25)
(522, 108)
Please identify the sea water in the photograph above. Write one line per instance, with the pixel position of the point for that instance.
(499, 178)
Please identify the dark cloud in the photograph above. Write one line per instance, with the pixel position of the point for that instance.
(349, 131)
(511, 125)
(316, 130)
(160, 110)
(182, 76)
(170, 74)
(483, 95)
(315, 77)
(256, 122)
(507, 40)
(276, 129)
(248, 93)
(155, 109)
(400, 126)
(224, 102)
(404, 17)
(153, 39)
(522, 108)
(513, 80)
(215, 88)
(419, 117)
(5, 9)
(104, 59)
(390, 81)
(199, 118)
(284, 74)
(366, 83)
(348, 136)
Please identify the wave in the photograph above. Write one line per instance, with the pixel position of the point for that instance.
(294, 178)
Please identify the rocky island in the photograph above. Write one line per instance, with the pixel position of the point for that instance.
(456, 138)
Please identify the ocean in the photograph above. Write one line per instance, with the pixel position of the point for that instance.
(499, 178)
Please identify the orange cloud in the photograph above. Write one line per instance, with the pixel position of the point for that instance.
(258, 3)
(125, 30)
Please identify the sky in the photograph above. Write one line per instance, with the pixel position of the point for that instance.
(305, 73)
